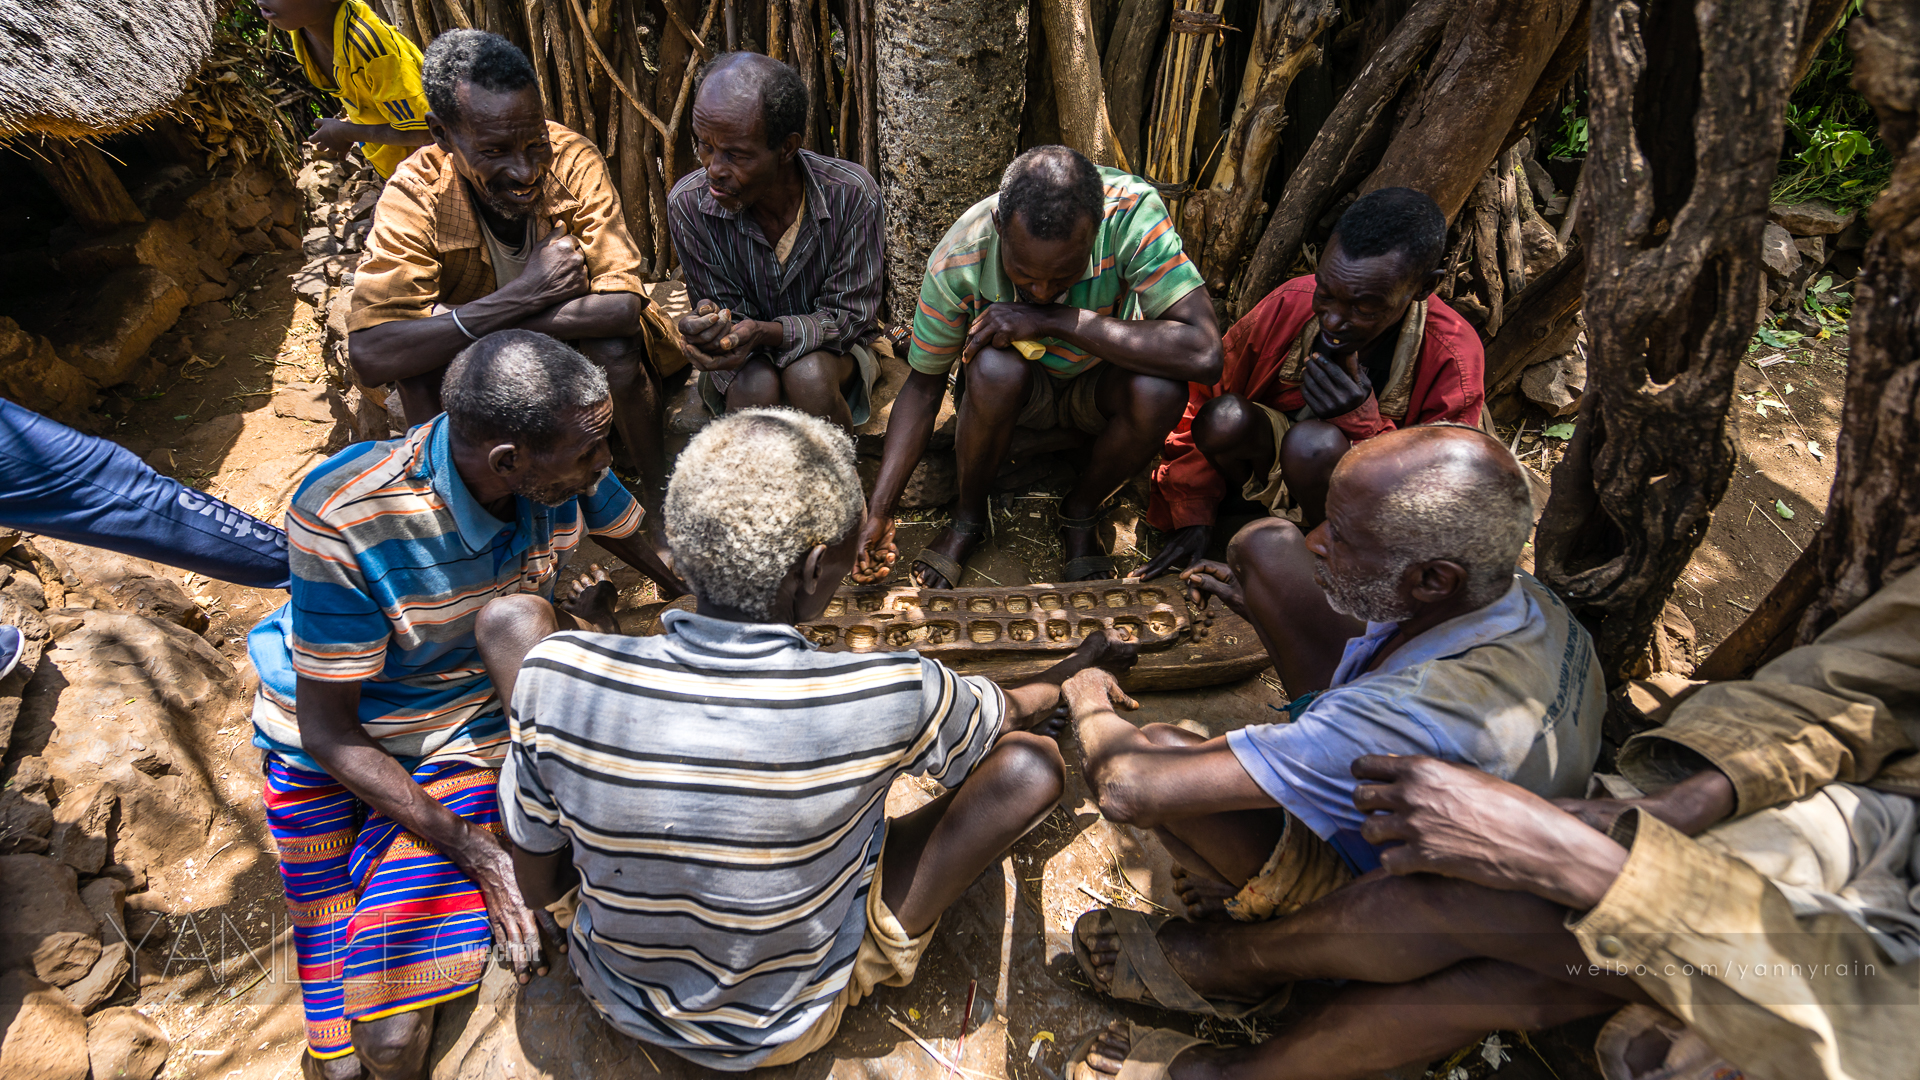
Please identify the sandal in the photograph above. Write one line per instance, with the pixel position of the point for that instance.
(1087, 567)
(1142, 973)
(951, 569)
(1150, 1054)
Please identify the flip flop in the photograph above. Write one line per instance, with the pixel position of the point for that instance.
(951, 569)
(1142, 973)
(1087, 567)
(1150, 1054)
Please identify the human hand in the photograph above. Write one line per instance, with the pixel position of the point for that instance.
(1207, 579)
(1184, 546)
(1093, 690)
(1461, 823)
(332, 138)
(516, 927)
(556, 270)
(1107, 650)
(1003, 324)
(708, 324)
(878, 552)
(1335, 389)
(1691, 806)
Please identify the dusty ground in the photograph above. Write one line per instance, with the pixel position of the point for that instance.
(216, 970)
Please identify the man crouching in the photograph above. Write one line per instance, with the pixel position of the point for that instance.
(717, 791)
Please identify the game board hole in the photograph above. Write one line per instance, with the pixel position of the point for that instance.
(823, 636)
(1088, 626)
(1059, 630)
(941, 633)
(983, 631)
(1023, 630)
(1082, 600)
(1118, 598)
(1050, 601)
(862, 637)
(836, 606)
(1017, 604)
(940, 603)
(980, 605)
(1151, 596)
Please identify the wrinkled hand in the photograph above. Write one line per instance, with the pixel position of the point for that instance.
(708, 324)
(556, 270)
(332, 138)
(878, 552)
(1335, 389)
(1691, 806)
(1093, 690)
(1459, 822)
(1108, 651)
(1003, 324)
(515, 926)
(1207, 579)
(1184, 546)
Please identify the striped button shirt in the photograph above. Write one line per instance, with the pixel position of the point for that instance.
(392, 560)
(722, 786)
(826, 295)
(1136, 270)
(376, 74)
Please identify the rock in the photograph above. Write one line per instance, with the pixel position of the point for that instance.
(160, 460)
(44, 926)
(310, 283)
(82, 828)
(283, 238)
(33, 374)
(134, 708)
(134, 877)
(103, 980)
(106, 899)
(319, 243)
(27, 589)
(1539, 179)
(305, 401)
(249, 213)
(1540, 245)
(17, 608)
(1812, 218)
(45, 1036)
(318, 179)
(1556, 385)
(1777, 251)
(209, 440)
(124, 583)
(254, 242)
(122, 1044)
(1854, 236)
(1812, 247)
(25, 822)
(268, 486)
(135, 306)
(339, 268)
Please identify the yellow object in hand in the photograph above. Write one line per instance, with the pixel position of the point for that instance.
(1032, 350)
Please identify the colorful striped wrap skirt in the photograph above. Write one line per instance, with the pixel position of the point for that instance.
(382, 923)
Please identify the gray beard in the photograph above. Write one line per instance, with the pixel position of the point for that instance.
(557, 496)
(1374, 600)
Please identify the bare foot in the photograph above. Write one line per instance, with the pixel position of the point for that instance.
(955, 544)
(345, 1067)
(1109, 1053)
(1205, 898)
(1078, 542)
(1192, 950)
(591, 598)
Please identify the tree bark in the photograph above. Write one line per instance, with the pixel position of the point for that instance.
(1076, 80)
(1284, 44)
(1872, 530)
(1568, 57)
(1541, 323)
(952, 80)
(1311, 188)
(1687, 104)
(86, 183)
(1127, 69)
(1486, 68)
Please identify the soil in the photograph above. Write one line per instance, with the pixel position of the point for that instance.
(216, 972)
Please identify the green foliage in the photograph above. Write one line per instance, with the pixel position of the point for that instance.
(1559, 431)
(1833, 149)
(1571, 138)
(1780, 507)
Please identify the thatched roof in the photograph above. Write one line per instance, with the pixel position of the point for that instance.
(79, 68)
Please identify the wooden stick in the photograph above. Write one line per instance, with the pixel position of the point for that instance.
(535, 36)
(605, 65)
(693, 39)
(459, 14)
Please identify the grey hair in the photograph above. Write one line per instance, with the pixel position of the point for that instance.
(751, 494)
(517, 386)
(488, 61)
(1051, 189)
(1460, 506)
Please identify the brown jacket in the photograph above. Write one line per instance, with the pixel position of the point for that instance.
(426, 248)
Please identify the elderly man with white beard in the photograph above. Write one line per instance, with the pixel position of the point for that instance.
(1399, 626)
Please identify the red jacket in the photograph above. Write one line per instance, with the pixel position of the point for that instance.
(1448, 384)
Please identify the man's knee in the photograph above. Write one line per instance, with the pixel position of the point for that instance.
(1028, 769)
(394, 1044)
(998, 380)
(1310, 450)
(1264, 541)
(1154, 403)
(1224, 425)
(818, 372)
(755, 382)
(622, 358)
(509, 616)
(1169, 735)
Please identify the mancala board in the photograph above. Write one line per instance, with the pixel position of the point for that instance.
(1013, 632)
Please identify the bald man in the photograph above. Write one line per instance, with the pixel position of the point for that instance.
(1399, 626)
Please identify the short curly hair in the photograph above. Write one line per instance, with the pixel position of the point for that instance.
(519, 386)
(488, 61)
(1395, 219)
(751, 494)
(783, 97)
(1051, 189)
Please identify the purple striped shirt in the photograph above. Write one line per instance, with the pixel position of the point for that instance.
(827, 296)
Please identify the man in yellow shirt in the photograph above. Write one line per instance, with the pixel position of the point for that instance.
(372, 68)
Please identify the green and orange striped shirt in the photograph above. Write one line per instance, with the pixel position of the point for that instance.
(1137, 270)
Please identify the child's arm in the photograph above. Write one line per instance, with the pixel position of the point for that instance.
(336, 137)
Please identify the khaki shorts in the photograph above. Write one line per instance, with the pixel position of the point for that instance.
(1303, 868)
(1270, 490)
(714, 384)
(1054, 403)
(887, 957)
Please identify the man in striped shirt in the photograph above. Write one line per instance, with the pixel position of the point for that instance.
(718, 791)
(781, 249)
(1068, 302)
(381, 729)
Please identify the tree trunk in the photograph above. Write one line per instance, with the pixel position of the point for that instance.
(1486, 68)
(1685, 141)
(1127, 69)
(1076, 80)
(952, 80)
(1541, 323)
(86, 183)
(1872, 531)
(1313, 186)
(1284, 44)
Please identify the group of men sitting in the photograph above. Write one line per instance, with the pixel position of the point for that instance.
(457, 749)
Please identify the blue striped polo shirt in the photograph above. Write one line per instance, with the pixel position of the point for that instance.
(392, 560)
